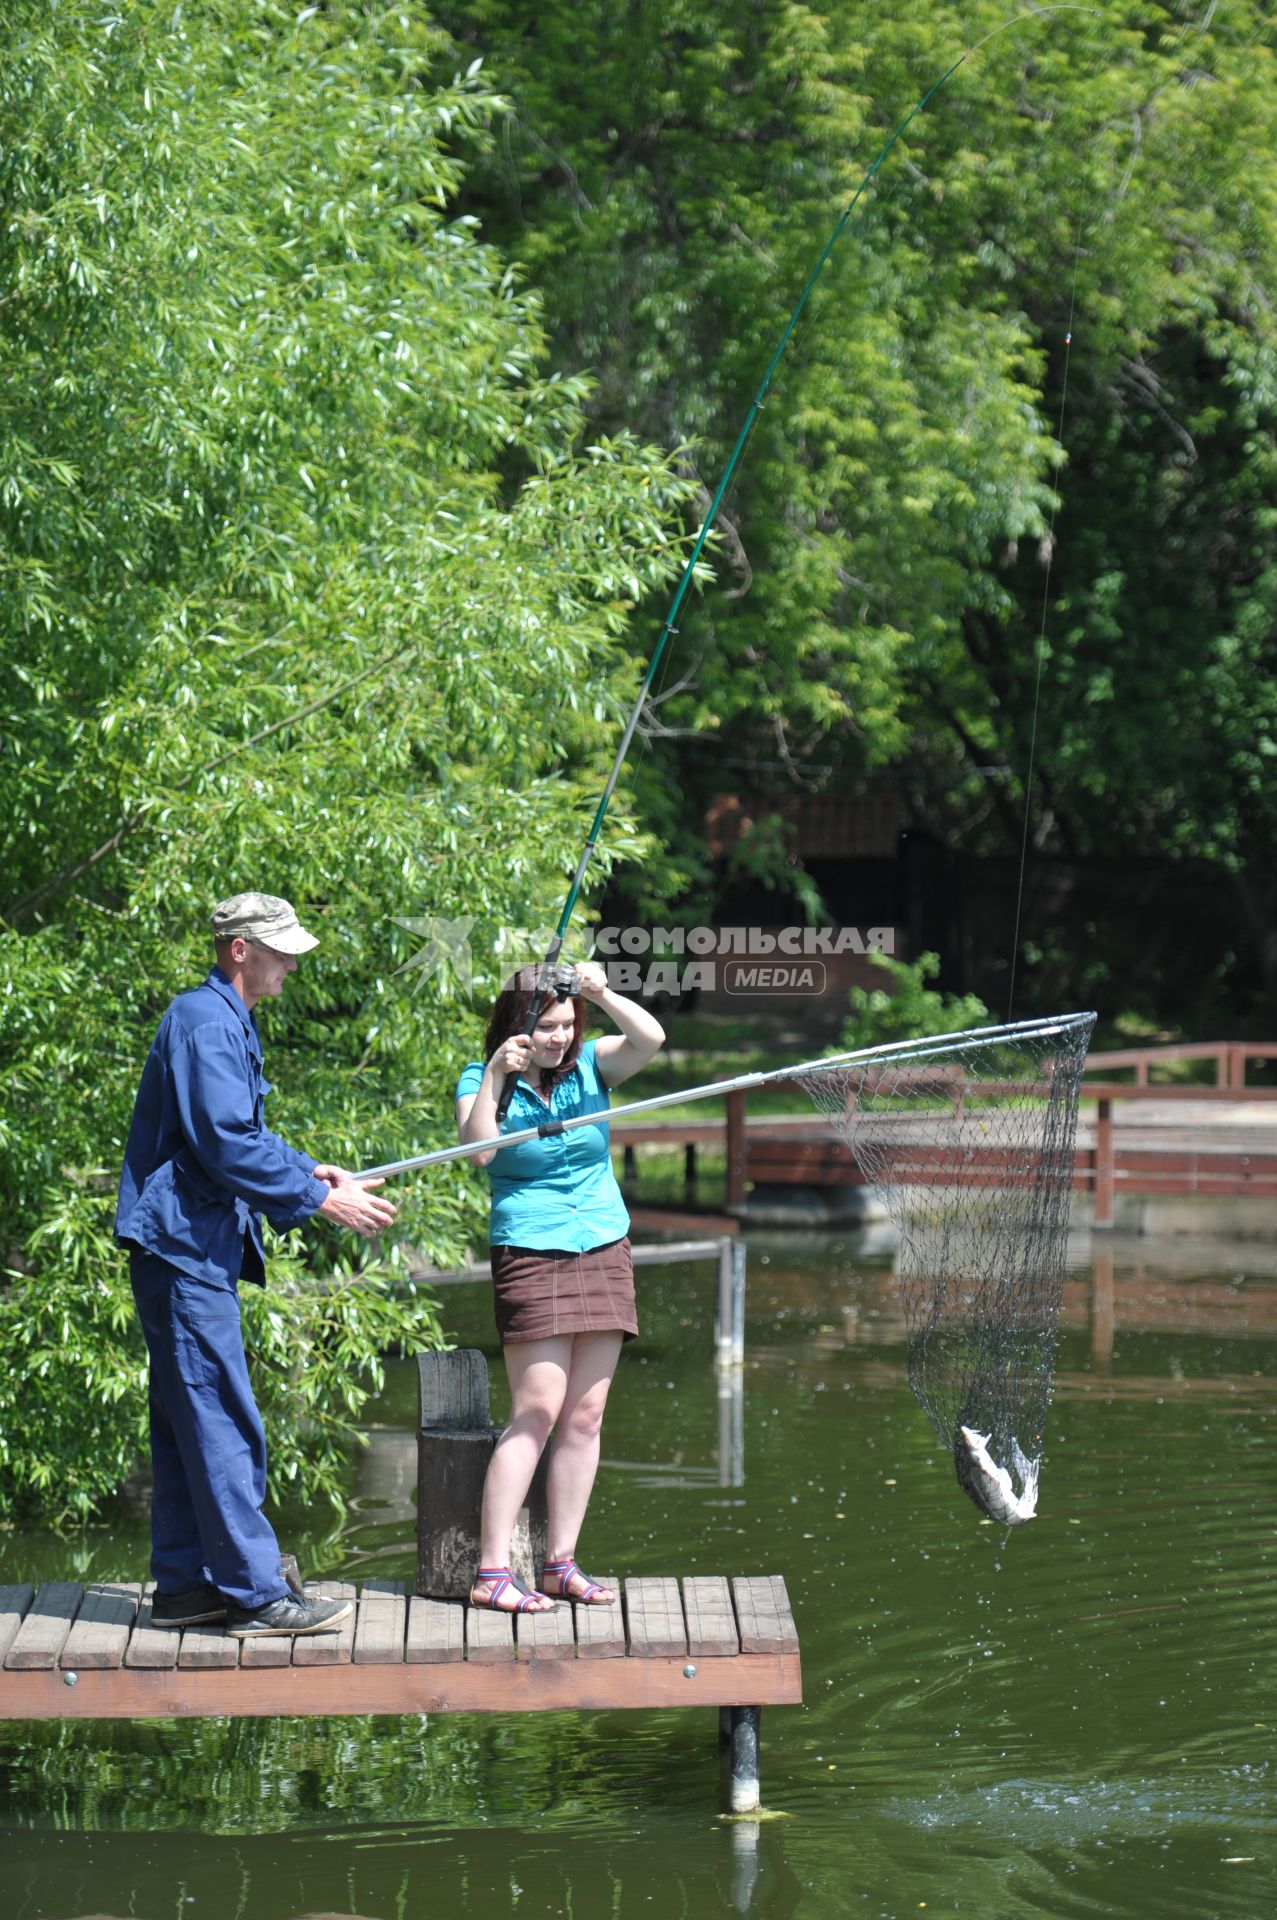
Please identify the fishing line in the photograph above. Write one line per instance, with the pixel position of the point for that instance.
(1041, 643)
(1188, 28)
(669, 627)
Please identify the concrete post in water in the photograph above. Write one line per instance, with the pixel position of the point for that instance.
(744, 1758)
(729, 1303)
(723, 1304)
(455, 1441)
(738, 1303)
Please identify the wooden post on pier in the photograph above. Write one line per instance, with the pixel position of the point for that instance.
(736, 1152)
(455, 1442)
(1103, 1216)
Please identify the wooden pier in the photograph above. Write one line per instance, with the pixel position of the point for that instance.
(73, 1652)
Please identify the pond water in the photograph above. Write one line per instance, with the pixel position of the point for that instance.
(1076, 1719)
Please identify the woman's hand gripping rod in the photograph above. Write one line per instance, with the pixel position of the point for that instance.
(556, 980)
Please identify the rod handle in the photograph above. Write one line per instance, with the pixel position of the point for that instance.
(529, 1026)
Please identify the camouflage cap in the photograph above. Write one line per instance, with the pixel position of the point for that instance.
(263, 918)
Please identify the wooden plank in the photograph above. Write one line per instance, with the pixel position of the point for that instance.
(39, 1641)
(600, 1631)
(151, 1646)
(1234, 1161)
(328, 1649)
(1225, 1096)
(711, 1623)
(15, 1603)
(549, 1636)
(272, 1649)
(463, 1687)
(762, 1610)
(654, 1616)
(381, 1624)
(436, 1631)
(208, 1647)
(489, 1636)
(100, 1636)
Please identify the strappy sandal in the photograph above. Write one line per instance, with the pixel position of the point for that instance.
(499, 1578)
(565, 1570)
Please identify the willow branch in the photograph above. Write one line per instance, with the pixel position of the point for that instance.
(48, 889)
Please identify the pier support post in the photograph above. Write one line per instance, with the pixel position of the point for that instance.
(455, 1442)
(738, 1302)
(1103, 1317)
(729, 1304)
(744, 1758)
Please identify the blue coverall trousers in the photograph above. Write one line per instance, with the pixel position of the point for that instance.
(208, 1448)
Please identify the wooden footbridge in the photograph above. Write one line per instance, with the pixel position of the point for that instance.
(1136, 1137)
(76, 1652)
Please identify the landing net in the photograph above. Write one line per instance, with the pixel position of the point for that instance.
(970, 1140)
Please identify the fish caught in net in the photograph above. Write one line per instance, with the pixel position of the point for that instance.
(970, 1140)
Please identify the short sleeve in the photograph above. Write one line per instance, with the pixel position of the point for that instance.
(471, 1080)
(591, 1079)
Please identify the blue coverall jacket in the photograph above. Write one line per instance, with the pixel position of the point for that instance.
(200, 1167)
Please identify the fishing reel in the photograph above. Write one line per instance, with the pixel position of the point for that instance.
(562, 980)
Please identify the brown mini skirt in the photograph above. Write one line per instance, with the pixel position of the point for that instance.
(540, 1291)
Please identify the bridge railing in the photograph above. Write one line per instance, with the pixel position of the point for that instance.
(1099, 1167)
(1231, 1059)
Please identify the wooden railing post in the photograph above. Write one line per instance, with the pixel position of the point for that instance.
(1103, 1164)
(736, 1168)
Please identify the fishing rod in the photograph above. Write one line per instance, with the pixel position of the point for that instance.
(551, 980)
(1039, 1029)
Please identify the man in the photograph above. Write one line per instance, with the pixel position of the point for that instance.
(200, 1167)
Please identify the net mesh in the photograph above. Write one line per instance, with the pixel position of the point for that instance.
(970, 1141)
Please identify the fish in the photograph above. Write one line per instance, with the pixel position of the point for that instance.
(990, 1485)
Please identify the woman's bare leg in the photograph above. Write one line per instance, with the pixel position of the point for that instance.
(538, 1372)
(574, 1460)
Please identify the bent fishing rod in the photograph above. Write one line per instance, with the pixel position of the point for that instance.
(884, 1055)
(551, 980)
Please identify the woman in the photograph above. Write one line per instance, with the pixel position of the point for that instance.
(562, 1276)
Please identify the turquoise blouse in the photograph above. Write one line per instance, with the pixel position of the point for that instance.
(558, 1192)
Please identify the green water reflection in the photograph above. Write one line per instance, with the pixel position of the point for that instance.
(1073, 1720)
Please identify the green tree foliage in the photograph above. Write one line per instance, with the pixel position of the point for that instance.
(907, 1008)
(671, 173)
(309, 580)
